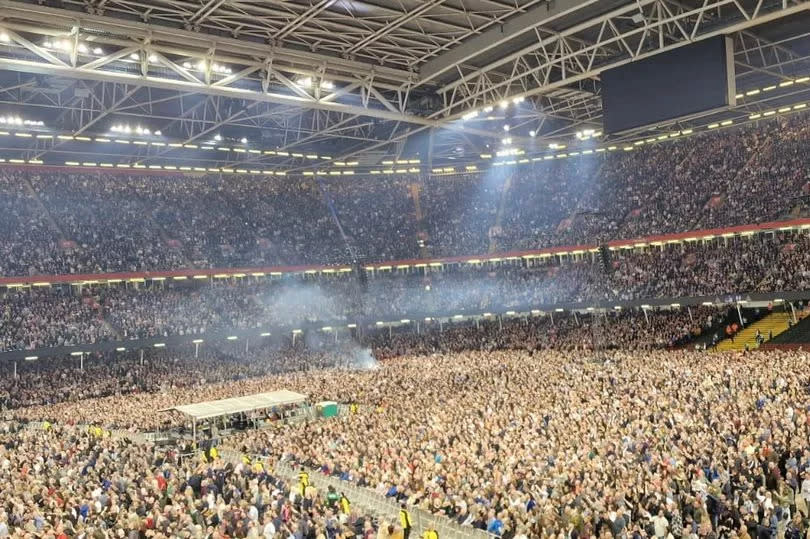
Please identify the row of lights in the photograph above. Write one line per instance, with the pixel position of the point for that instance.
(215, 67)
(123, 130)
(128, 130)
(307, 82)
(503, 105)
(470, 168)
(16, 120)
(555, 146)
(783, 84)
(65, 45)
(587, 134)
(163, 167)
(775, 111)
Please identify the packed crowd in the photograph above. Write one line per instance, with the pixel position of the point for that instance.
(641, 445)
(51, 381)
(63, 481)
(101, 222)
(42, 317)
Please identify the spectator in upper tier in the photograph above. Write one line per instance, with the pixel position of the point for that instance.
(105, 222)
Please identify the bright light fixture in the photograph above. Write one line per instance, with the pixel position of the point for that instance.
(243, 140)
(506, 127)
(532, 133)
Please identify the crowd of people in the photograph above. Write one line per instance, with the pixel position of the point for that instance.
(529, 423)
(103, 222)
(63, 481)
(54, 380)
(41, 317)
(520, 442)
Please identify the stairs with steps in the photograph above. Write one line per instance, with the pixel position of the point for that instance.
(507, 186)
(415, 189)
(774, 322)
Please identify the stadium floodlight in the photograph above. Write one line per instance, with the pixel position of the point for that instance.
(470, 115)
(506, 127)
(98, 51)
(503, 104)
(134, 56)
(243, 140)
(532, 133)
(519, 99)
(488, 109)
(4, 37)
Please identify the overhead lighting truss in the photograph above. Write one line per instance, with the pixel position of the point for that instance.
(579, 53)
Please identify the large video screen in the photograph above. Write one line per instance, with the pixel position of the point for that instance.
(681, 82)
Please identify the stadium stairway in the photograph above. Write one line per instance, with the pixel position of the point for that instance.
(507, 186)
(774, 322)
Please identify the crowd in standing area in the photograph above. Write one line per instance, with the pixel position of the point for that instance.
(60, 379)
(523, 443)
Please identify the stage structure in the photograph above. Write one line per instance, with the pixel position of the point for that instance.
(249, 404)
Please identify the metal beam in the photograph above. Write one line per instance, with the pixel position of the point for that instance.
(559, 61)
(515, 27)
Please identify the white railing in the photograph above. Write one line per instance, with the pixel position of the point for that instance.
(387, 509)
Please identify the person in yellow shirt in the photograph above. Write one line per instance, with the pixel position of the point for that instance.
(345, 505)
(303, 480)
(405, 521)
(430, 533)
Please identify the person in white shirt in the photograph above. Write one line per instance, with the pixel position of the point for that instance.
(269, 531)
(661, 525)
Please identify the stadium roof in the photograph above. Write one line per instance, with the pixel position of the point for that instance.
(361, 79)
(236, 405)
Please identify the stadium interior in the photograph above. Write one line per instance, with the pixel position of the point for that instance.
(395, 269)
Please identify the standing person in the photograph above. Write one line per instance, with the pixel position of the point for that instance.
(405, 521)
(303, 480)
(431, 532)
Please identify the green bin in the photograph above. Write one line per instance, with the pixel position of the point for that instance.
(327, 409)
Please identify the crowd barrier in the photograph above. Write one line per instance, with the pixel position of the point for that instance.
(384, 509)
